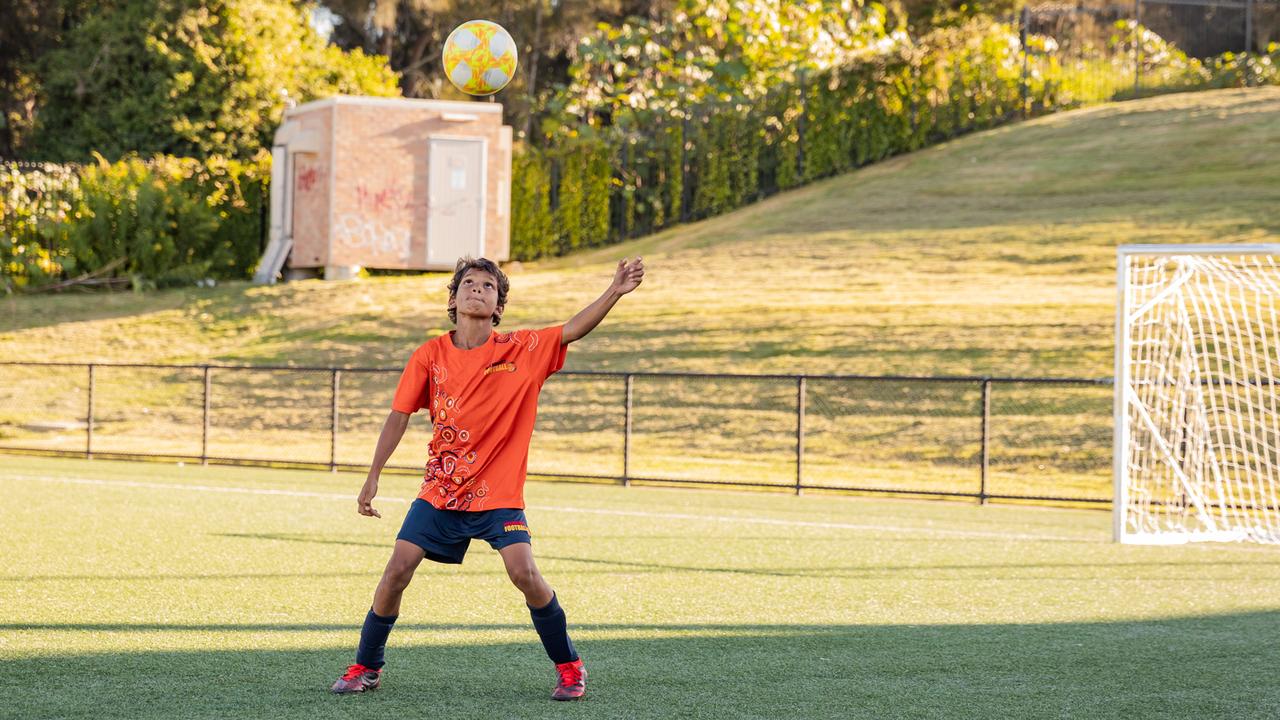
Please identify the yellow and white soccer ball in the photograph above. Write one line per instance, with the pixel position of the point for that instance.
(479, 57)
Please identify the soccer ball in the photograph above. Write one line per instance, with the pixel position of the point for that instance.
(479, 57)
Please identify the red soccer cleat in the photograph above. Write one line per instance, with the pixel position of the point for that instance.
(573, 681)
(357, 678)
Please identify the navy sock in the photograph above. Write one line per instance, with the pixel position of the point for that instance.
(550, 623)
(373, 639)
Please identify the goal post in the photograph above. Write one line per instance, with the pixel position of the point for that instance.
(1197, 394)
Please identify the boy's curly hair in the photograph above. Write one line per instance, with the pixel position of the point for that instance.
(487, 265)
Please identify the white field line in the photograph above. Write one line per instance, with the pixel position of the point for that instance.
(903, 529)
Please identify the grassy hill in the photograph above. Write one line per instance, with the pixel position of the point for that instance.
(989, 254)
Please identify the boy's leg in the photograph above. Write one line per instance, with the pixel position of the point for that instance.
(548, 619)
(405, 559)
(365, 674)
(386, 603)
(518, 559)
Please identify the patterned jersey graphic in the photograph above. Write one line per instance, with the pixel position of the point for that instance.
(479, 57)
(448, 474)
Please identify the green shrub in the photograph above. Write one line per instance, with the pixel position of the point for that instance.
(531, 220)
(155, 222)
(35, 210)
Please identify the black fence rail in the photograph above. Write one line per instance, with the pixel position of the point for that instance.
(984, 438)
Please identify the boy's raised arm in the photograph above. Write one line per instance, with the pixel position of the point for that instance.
(627, 278)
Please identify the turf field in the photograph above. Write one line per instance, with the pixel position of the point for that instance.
(146, 590)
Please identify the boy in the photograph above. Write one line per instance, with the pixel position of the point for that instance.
(481, 389)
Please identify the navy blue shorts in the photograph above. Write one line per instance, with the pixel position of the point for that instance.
(445, 534)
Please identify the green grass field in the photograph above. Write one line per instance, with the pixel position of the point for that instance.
(156, 591)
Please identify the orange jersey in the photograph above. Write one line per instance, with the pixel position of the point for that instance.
(483, 405)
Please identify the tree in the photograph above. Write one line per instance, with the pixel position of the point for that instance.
(728, 51)
(189, 77)
(411, 34)
(28, 29)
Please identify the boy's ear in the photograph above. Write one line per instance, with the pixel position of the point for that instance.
(453, 302)
(498, 310)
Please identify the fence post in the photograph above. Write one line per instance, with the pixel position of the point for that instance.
(204, 418)
(1137, 47)
(628, 161)
(1248, 42)
(1026, 72)
(626, 434)
(985, 454)
(553, 184)
(800, 398)
(685, 195)
(88, 425)
(800, 127)
(335, 377)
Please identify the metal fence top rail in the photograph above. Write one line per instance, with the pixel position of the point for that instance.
(597, 373)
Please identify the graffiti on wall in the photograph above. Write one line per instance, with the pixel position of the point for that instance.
(362, 232)
(381, 225)
(388, 199)
(310, 209)
(307, 178)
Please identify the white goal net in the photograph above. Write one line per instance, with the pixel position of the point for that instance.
(1197, 394)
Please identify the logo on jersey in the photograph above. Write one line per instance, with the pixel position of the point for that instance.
(526, 338)
(500, 367)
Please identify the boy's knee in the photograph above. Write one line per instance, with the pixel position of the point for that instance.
(526, 578)
(399, 574)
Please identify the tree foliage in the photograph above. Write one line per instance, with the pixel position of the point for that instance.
(28, 30)
(189, 78)
(729, 51)
(411, 34)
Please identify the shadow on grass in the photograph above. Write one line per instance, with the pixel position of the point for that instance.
(1160, 571)
(1198, 667)
(620, 566)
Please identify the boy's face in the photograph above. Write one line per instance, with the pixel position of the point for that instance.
(477, 295)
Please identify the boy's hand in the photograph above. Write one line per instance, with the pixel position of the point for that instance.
(628, 276)
(626, 279)
(364, 503)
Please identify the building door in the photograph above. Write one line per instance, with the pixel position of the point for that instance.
(455, 201)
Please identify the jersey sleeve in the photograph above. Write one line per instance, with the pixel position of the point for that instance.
(412, 392)
(549, 352)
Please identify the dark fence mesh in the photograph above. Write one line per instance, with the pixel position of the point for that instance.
(279, 415)
(893, 435)
(1083, 55)
(739, 430)
(44, 407)
(1050, 440)
(364, 400)
(581, 426)
(1200, 30)
(148, 410)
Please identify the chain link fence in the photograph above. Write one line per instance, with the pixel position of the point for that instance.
(1097, 53)
(966, 437)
